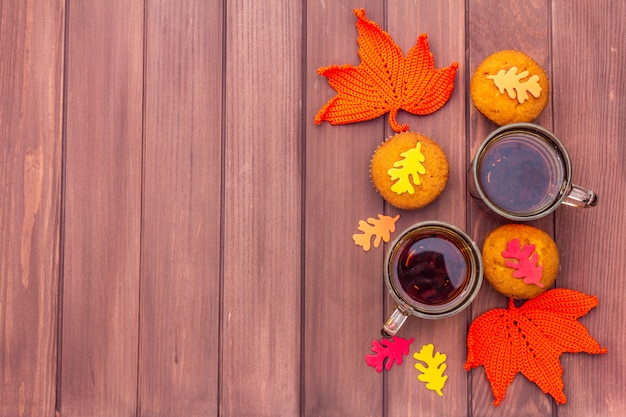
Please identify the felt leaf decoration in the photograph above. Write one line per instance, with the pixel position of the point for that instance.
(526, 266)
(530, 339)
(379, 229)
(388, 351)
(385, 80)
(512, 82)
(432, 373)
(405, 169)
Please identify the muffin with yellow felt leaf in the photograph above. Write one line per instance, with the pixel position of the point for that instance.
(509, 87)
(409, 170)
(520, 261)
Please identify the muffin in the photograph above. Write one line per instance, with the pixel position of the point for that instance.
(409, 170)
(510, 87)
(520, 261)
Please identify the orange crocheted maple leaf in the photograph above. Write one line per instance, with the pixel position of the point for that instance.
(530, 339)
(385, 80)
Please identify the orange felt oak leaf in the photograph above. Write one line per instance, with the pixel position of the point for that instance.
(380, 229)
(385, 80)
(530, 339)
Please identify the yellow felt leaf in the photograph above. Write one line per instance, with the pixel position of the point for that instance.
(432, 373)
(380, 229)
(512, 82)
(410, 167)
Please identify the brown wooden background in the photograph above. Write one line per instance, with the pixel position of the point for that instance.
(175, 232)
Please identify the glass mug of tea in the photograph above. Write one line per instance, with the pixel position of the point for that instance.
(523, 172)
(432, 270)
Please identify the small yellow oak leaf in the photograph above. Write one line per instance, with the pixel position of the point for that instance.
(432, 373)
(380, 229)
(410, 167)
(511, 81)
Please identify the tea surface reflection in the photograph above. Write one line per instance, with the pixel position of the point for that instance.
(431, 270)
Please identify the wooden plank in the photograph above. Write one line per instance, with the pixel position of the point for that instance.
(441, 22)
(180, 272)
(31, 82)
(589, 108)
(343, 284)
(494, 26)
(260, 341)
(102, 208)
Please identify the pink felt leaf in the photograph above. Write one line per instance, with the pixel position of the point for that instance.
(526, 266)
(388, 351)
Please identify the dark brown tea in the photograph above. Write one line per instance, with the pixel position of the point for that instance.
(521, 174)
(430, 270)
(433, 270)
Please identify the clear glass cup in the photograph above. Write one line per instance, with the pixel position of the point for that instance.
(432, 270)
(523, 172)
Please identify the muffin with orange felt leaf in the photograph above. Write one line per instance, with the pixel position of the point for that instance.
(409, 170)
(509, 87)
(520, 261)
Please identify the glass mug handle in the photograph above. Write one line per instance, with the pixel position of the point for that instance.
(581, 197)
(393, 323)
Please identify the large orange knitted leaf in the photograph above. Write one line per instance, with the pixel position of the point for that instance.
(530, 339)
(385, 80)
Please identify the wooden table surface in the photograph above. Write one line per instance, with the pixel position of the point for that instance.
(176, 232)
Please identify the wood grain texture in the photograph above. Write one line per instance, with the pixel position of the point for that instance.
(343, 284)
(260, 341)
(31, 86)
(589, 116)
(162, 177)
(180, 272)
(102, 208)
(406, 395)
(494, 26)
